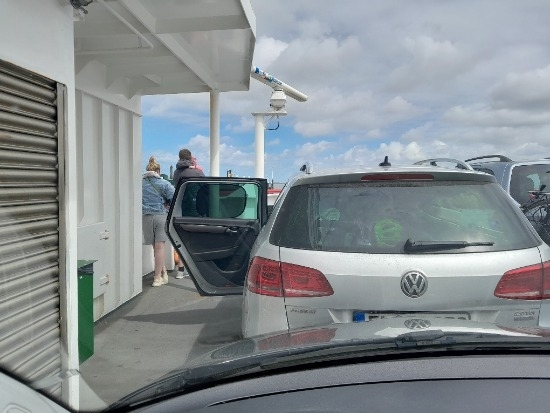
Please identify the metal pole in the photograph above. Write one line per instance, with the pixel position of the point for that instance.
(259, 147)
(214, 133)
(267, 79)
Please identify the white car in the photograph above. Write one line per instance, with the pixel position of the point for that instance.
(346, 246)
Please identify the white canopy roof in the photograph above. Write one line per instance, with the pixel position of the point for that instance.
(153, 47)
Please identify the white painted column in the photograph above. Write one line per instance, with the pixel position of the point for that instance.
(214, 133)
(259, 138)
(259, 134)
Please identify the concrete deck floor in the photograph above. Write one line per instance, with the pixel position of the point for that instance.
(155, 333)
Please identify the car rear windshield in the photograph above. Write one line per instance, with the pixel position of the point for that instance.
(527, 178)
(381, 217)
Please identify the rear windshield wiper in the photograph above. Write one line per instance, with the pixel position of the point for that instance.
(418, 246)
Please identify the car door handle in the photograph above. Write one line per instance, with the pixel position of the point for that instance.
(212, 229)
(231, 231)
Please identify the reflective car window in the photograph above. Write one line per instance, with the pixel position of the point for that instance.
(527, 178)
(380, 218)
(220, 200)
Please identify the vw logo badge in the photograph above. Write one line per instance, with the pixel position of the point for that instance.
(417, 324)
(414, 284)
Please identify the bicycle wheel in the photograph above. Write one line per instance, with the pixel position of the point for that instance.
(538, 214)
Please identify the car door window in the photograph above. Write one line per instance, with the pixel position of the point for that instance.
(213, 224)
(217, 200)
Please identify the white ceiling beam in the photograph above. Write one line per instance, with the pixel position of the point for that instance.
(87, 29)
(113, 74)
(159, 66)
(138, 84)
(156, 79)
(121, 87)
(170, 88)
(173, 86)
(201, 24)
(180, 48)
(250, 16)
(80, 62)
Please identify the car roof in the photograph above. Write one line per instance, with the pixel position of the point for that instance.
(355, 173)
(509, 162)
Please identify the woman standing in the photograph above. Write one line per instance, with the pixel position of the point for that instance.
(156, 194)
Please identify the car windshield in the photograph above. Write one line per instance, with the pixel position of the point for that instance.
(197, 193)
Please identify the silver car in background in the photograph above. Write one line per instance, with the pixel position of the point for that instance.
(353, 246)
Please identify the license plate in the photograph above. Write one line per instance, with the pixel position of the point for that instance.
(362, 316)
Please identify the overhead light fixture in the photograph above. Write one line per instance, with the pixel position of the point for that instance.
(80, 4)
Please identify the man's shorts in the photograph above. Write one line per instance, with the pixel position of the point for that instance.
(153, 229)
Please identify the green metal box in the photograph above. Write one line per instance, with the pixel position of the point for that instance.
(85, 310)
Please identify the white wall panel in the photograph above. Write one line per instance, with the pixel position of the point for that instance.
(39, 27)
(136, 205)
(107, 176)
(90, 161)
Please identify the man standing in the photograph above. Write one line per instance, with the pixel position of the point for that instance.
(185, 168)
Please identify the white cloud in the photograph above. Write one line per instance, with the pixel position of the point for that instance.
(267, 50)
(399, 109)
(322, 154)
(529, 90)
(190, 108)
(199, 141)
(433, 63)
(398, 105)
(245, 124)
(400, 152)
(313, 128)
(484, 116)
(231, 156)
(374, 133)
(310, 150)
(444, 79)
(419, 133)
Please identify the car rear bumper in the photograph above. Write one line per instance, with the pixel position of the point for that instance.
(513, 317)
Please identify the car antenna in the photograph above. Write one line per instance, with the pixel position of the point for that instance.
(385, 163)
(306, 167)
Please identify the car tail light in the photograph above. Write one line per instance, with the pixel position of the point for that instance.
(264, 277)
(297, 338)
(526, 283)
(278, 279)
(301, 281)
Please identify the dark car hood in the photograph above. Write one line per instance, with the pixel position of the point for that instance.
(300, 348)
(336, 334)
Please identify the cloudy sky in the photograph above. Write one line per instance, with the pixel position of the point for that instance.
(407, 79)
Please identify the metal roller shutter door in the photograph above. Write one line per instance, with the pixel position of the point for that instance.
(30, 339)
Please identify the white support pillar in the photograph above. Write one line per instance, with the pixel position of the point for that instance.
(259, 132)
(214, 133)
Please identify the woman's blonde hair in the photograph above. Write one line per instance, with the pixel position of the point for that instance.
(153, 165)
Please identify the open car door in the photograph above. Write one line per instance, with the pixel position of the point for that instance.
(212, 224)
